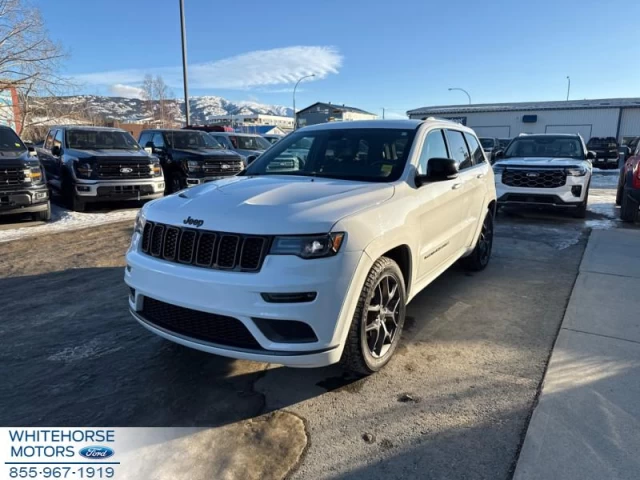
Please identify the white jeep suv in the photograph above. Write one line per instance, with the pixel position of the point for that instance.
(545, 170)
(309, 258)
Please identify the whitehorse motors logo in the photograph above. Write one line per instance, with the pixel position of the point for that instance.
(193, 221)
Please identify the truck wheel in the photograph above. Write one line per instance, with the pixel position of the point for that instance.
(479, 258)
(176, 182)
(71, 199)
(378, 320)
(43, 216)
(629, 209)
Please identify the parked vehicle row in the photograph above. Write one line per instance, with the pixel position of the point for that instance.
(606, 152)
(312, 253)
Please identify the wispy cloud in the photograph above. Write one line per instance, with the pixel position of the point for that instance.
(261, 68)
(127, 91)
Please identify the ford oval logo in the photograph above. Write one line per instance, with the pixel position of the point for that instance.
(126, 170)
(224, 166)
(96, 453)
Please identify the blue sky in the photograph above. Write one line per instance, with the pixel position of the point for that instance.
(371, 54)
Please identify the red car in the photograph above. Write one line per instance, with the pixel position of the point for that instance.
(628, 195)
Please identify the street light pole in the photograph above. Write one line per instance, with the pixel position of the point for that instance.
(568, 86)
(295, 116)
(462, 90)
(184, 63)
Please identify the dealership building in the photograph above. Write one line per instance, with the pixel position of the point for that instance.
(614, 117)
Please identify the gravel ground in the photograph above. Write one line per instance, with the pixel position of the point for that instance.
(454, 403)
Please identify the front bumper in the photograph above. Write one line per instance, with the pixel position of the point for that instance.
(563, 196)
(24, 200)
(336, 280)
(119, 190)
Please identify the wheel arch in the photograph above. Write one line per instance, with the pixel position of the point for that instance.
(402, 256)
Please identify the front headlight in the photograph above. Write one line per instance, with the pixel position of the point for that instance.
(155, 168)
(308, 246)
(138, 226)
(576, 172)
(32, 175)
(83, 170)
(194, 165)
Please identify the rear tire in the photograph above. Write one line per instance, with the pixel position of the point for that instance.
(629, 209)
(44, 216)
(479, 258)
(377, 323)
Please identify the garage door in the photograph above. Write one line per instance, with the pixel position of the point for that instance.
(500, 131)
(583, 130)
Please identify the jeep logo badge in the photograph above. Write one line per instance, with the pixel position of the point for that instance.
(193, 221)
(126, 170)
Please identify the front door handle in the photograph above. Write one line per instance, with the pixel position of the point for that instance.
(456, 186)
(480, 175)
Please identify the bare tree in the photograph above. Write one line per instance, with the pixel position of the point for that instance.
(29, 60)
(148, 95)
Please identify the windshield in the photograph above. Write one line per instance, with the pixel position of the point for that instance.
(487, 142)
(249, 142)
(9, 141)
(191, 140)
(371, 154)
(547, 146)
(100, 139)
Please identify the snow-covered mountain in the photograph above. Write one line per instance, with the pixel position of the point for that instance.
(135, 110)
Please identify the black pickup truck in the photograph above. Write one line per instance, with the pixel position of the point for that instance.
(190, 157)
(23, 188)
(99, 164)
(606, 149)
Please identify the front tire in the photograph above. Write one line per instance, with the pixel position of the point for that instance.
(629, 209)
(377, 323)
(479, 258)
(44, 216)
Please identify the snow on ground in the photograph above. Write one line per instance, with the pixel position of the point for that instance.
(65, 220)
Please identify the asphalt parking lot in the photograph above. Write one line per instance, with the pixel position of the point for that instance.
(453, 403)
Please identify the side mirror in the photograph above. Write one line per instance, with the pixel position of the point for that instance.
(55, 151)
(31, 148)
(251, 158)
(591, 155)
(438, 169)
(499, 154)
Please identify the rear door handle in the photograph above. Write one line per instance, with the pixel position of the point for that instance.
(480, 175)
(456, 186)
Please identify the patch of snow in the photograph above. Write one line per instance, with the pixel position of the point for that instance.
(63, 220)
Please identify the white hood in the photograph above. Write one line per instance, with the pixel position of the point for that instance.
(269, 204)
(541, 162)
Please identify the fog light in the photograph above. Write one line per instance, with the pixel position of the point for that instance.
(576, 190)
(289, 297)
(193, 181)
(83, 189)
(40, 195)
(132, 292)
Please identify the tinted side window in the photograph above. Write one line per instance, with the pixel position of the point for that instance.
(158, 141)
(57, 141)
(48, 143)
(459, 150)
(477, 155)
(145, 137)
(434, 147)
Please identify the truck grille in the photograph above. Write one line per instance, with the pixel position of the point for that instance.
(208, 327)
(123, 169)
(222, 168)
(11, 176)
(534, 178)
(217, 250)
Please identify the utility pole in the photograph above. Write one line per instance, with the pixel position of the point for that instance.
(568, 86)
(462, 90)
(295, 117)
(184, 63)
(383, 113)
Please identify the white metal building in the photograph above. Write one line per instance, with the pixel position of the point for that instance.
(253, 119)
(615, 117)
